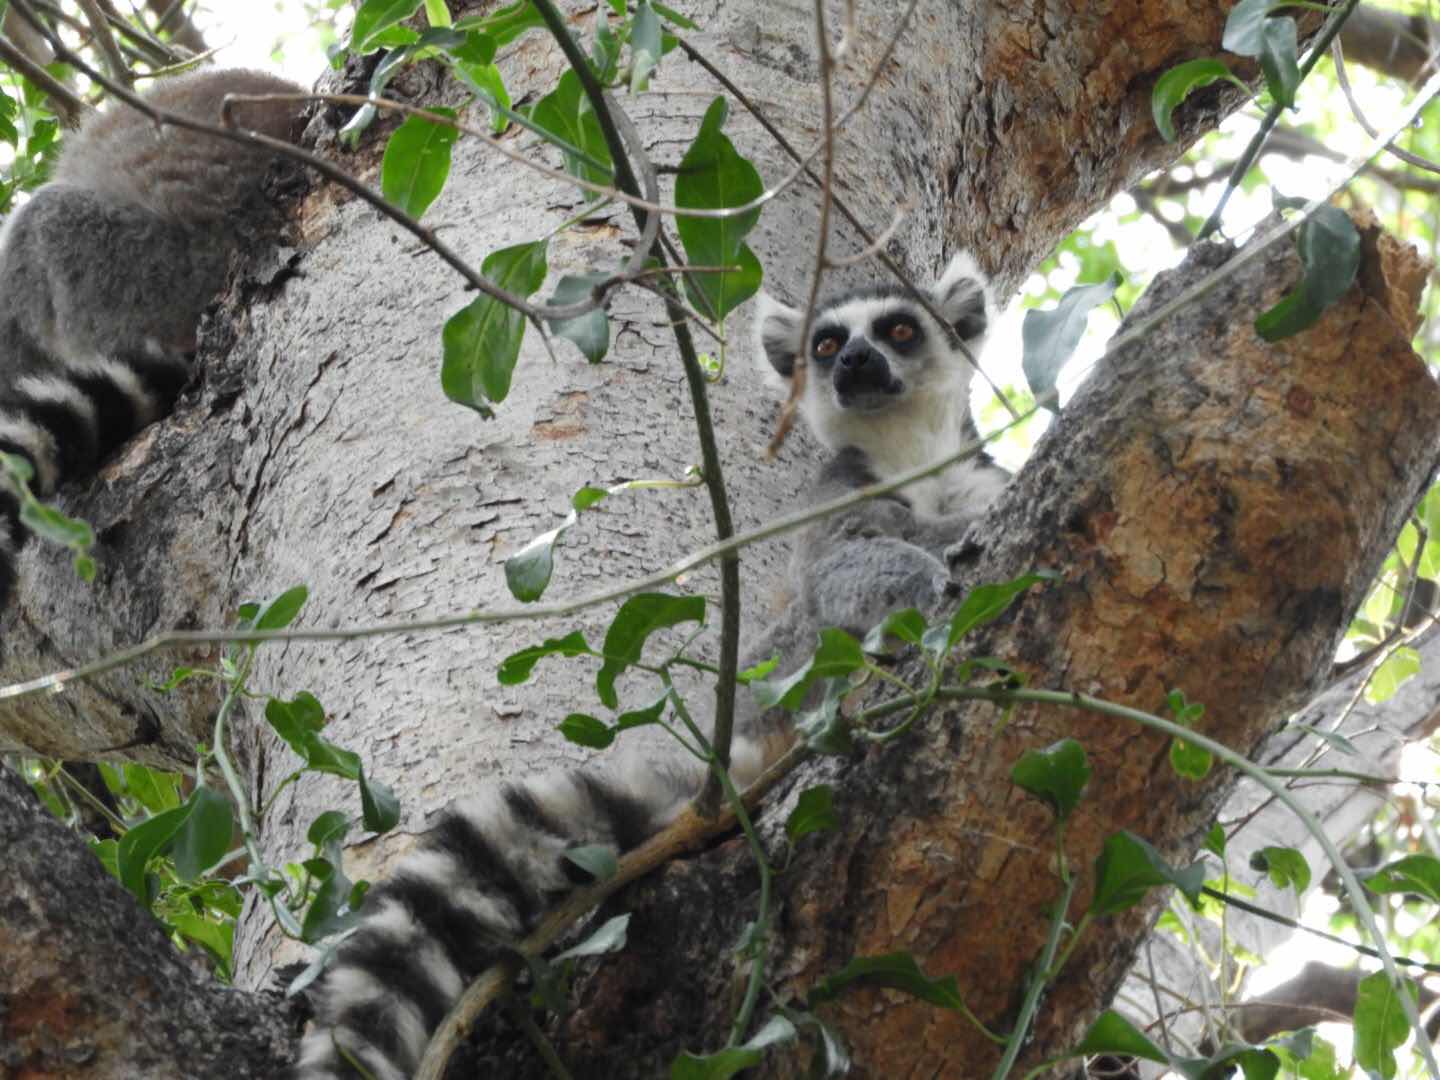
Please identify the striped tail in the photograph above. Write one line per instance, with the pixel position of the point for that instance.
(483, 876)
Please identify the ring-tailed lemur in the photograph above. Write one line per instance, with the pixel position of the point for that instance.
(887, 391)
(106, 270)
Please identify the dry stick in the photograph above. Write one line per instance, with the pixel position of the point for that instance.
(105, 42)
(801, 371)
(67, 105)
(1337, 54)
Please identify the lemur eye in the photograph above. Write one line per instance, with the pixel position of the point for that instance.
(827, 347)
(902, 332)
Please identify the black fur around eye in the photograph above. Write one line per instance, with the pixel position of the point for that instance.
(902, 331)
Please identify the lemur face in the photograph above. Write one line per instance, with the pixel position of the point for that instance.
(877, 349)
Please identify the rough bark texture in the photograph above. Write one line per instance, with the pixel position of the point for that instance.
(320, 449)
(75, 1002)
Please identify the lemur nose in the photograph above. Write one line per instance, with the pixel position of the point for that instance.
(857, 354)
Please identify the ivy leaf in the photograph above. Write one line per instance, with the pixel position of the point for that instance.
(1245, 27)
(908, 625)
(590, 332)
(1113, 1034)
(1050, 337)
(837, 655)
(281, 611)
(607, 939)
(505, 25)
(1278, 49)
(565, 116)
(482, 339)
(1329, 247)
(895, 971)
(376, 16)
(1397, 669)
(417, 162)
(639, 617)
(644, 46)
(1056, 775)
(724, 1064)
(528, 571)
(1380, 1023)
(583, 729)
(983, 604)
(1412, 874)
(516, 667)
(713, 176)
(379, 808)
(1285, 866)
(597, 860)
(1127, 868)
(814, 812)
(143, 841)
(1177, 84)
(204, 837)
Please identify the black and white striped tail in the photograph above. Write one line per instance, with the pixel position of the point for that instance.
(483, 876)
(64, 415)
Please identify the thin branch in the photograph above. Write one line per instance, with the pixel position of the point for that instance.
(1252, 150)
(1337, 55)
(105, 42)
(65, 103)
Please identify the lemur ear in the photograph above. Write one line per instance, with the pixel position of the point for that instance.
(962, 295)
(777, 328)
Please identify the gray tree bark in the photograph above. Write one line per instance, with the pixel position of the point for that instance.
(319, 449)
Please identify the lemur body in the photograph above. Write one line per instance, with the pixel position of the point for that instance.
(884, 399)
(106, 270)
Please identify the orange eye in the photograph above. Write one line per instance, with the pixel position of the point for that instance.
(901, 333)
(827, 347)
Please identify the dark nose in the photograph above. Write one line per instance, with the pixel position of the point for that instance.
(858, 356)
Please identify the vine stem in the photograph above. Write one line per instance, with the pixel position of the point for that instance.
(1039, 977)
(1260, 775)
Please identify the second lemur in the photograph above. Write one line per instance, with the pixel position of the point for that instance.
(888, 390)
(106, 270)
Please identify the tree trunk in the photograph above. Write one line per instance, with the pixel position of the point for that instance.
(320, 449)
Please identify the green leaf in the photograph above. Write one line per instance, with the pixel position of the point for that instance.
(155, 790)
(895, 971)
(1380, 1023)
(489, 86)
(528, 571)
(1177, 84)
(1128, 868)
(814, 812)
(482, 339)
(585, 730)
(1245, 27)
(140, 843)
(1397, 669)
(328, 830)
(837, 655)
(298, 723)
(1113, 1034)
(671, 15)
(590, 332)
(507, 24)
(565, 115)
(1285, 866)
(823, 729)
(1187, 759)
(644, 46)
(724, 1064)
(204, 837)
(417, 162)
(375, 16)
(281, 612)
(1215, 840)
(516, 667)
(1413, 874)
(1056, 775)
(712, 176)
(216, 937)
(908, 625)
(607, 939)
(1049, 337)
(983, 604)
(597, 860)
(1329, 247)
(639, 617)
(379, 808)
(327, 912)
(1278, 49)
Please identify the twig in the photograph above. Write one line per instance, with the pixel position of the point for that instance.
(67, 105)
(105, 42)
(1337, 54)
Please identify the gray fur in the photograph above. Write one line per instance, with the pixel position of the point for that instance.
(106, 270)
